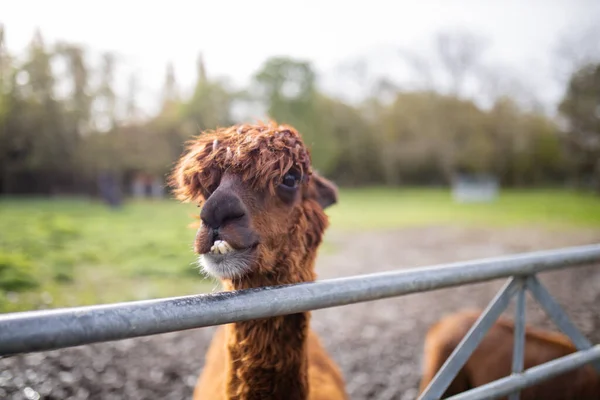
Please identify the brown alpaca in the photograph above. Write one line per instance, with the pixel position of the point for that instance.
(493, 359)
(262, 221)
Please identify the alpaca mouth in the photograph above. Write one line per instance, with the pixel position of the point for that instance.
(221, 247)
(225, 262)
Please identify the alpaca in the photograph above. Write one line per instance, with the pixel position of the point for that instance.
(492, 359)
(261, 222)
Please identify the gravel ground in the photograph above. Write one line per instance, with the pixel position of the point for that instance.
(377, 344)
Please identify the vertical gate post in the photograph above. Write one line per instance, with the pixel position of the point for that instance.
(469, 343)
(519, 336)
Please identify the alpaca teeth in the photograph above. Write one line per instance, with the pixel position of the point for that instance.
(221, 247)
(224, 247)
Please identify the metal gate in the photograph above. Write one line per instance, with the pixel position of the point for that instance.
(53, 329)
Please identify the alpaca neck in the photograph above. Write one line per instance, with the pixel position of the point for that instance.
(267, 357)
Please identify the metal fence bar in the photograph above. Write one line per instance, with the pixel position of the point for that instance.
(470, 341)
(53, 329)
(531, 376)
(558, 315)
(519, 339)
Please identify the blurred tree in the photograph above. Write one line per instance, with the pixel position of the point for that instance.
(288, 87)
(509, 140)
(581, 108)
(429, 137)
(577, 47)
(170, 92)
(457, 63)
(105, 98)
(357, 145)
(170, 120)
(421, 69)
(38, 142)
(526, 145)
(459, 54)
(98, 155)
(132, 110)
(76, 109)
(79, 101)
(5, 89)
(50, 137)
(548, 162)
(210, 104)
(5, 72)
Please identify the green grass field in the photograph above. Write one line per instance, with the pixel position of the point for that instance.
(392, 208)
(71, 252)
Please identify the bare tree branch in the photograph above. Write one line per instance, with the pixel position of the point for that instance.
(459, 53)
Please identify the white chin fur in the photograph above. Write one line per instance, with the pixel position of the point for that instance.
(234, 264)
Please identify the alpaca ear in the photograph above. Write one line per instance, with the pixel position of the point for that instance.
(326, 191)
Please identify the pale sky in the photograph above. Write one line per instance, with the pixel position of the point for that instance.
(235, 37)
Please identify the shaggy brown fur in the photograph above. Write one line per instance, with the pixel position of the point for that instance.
(493, 359)
(260, 154)
(236, 174)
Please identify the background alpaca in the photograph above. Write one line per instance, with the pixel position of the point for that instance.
(492, 359)
(262, 221)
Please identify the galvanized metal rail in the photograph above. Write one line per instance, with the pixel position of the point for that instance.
(60, 328)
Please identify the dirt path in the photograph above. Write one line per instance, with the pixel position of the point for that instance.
(377, 344)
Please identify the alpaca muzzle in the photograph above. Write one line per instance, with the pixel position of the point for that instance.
(227, 252)
(235, 236)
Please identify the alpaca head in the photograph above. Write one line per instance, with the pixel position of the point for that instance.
(261, 201)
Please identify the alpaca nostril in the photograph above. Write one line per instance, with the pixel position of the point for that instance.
(215, 224)
(226, 220)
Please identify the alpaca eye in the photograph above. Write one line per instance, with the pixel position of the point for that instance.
(290, 181)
